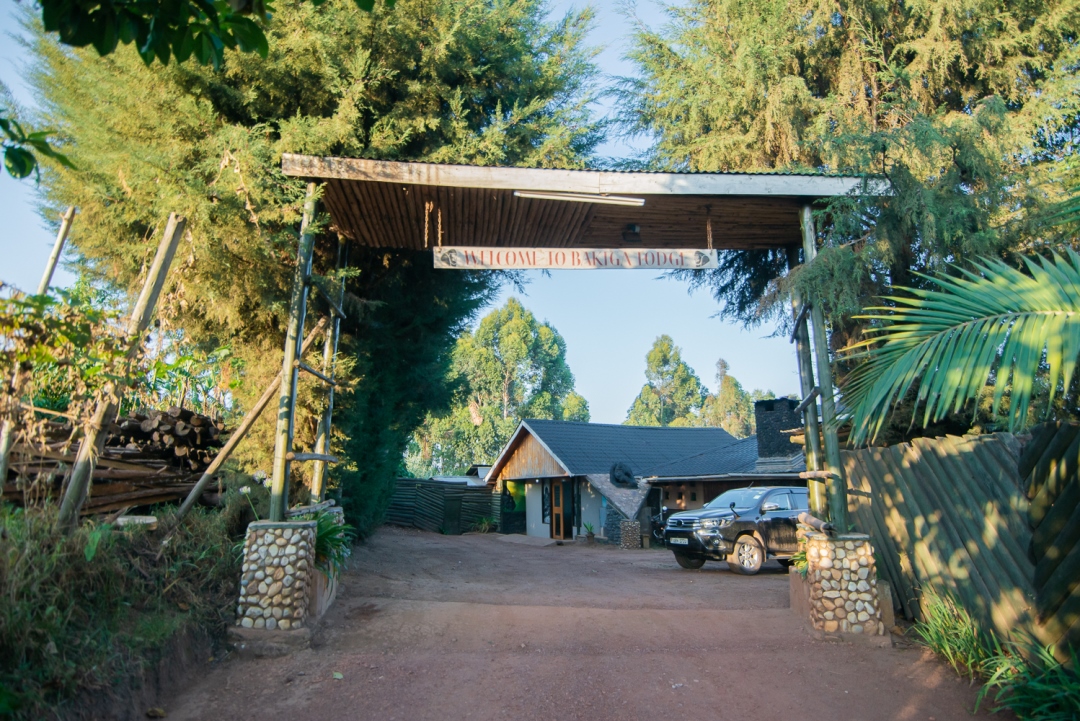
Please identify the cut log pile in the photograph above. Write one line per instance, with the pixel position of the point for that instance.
(150, 457)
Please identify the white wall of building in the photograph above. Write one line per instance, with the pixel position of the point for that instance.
(592, 509)
(534, 511)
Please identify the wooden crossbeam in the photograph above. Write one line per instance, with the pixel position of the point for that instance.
(312, 457)
(308, 369)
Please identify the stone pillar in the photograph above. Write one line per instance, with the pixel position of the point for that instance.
(278, 566)
(630, 534)
(843, 584)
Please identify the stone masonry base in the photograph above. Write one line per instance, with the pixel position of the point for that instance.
(842, 579)
(278, 567)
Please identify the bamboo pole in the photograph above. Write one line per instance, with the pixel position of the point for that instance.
(283, 435)
(93, 435)
(58, 248)
(806, 382)
(836, 486)
(7, 429)
(241, 431)
(330, 349)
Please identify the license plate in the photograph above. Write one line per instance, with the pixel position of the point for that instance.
(679, 541)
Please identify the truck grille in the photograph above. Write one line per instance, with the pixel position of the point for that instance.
(680, 523)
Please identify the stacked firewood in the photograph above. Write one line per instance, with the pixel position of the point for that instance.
(185, 438)
(150, 457)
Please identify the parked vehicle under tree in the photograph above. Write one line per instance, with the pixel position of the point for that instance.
(743, 526)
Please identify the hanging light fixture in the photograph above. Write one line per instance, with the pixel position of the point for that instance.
(580, 197)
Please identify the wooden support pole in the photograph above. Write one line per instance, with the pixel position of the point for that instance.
(241, 431)
(330, 348)
(837, 492)
(7, 428)
(283, 435)
(58, 248)
(93, 440)
(801, 336)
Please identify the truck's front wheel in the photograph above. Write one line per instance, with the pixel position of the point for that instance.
(688, 562)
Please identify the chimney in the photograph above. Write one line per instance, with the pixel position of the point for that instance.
(776, 452)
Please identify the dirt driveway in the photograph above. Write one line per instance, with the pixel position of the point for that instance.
(471, 627)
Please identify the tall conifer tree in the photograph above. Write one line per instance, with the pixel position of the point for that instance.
(466, 81)
(959, 104)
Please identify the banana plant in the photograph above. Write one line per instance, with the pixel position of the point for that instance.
(992, 325)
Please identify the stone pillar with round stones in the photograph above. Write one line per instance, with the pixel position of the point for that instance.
(843, 584)
(278, 566)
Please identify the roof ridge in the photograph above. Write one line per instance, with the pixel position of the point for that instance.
(625, 425)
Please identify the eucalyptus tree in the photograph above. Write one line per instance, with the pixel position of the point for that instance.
(672, 394)
(512, 367)
(474, 82)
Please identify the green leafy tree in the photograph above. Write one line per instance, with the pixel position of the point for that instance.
(466, 82)
(510, 368)
(962, 106)
(1017, 331)
(672, 393)
(731, 407)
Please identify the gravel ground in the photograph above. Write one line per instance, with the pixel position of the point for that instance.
(470, 627)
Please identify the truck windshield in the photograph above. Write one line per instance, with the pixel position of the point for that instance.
(743, 498)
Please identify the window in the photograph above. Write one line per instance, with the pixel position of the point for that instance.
(667, 495)
(680, 496)
(693, 495)
(781, 499)
(801, 501)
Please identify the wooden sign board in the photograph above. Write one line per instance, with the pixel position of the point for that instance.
(466, 258)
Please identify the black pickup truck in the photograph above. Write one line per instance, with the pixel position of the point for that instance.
(743, 526)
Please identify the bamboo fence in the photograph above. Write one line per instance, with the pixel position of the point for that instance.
(953, 515)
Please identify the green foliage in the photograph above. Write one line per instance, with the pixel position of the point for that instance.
(510, 368)
(1035, 686)
(333, 543)
(1023, 678)
(460, 82)
(62, 349)
(965, 108)
(800, 563)
(20, 147)
(161, 30)
(672, 393)
(485, 525)
(950, 632)
(84, 611)
(998, 325)
(731, 407)
(588, 528)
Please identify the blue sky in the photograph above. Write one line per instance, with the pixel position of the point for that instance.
(608, 318)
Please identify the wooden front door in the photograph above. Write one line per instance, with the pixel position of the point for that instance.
(560, 505)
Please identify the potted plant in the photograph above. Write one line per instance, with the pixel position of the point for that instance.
(590, 537)
(333, 546)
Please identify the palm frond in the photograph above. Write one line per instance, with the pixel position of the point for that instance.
(995, 324)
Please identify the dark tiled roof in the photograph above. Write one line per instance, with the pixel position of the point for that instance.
(732, 458)
(586, 448)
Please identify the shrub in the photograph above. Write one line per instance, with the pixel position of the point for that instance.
(485, 525)
(1024, 678)
(83, 612)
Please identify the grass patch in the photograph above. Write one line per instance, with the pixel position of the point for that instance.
(86, 611)
(1022, 677)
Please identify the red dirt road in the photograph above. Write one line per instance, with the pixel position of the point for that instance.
(469, 627)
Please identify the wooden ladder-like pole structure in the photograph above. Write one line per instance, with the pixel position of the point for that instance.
(835, 482)
(330, 349)
(811, 428)
(292, 364)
